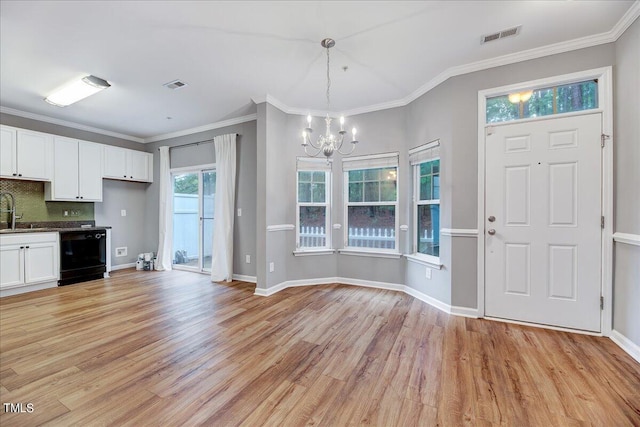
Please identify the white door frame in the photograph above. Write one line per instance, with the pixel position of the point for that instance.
(605, 102)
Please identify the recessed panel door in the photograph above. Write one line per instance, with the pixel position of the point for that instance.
(542, 222)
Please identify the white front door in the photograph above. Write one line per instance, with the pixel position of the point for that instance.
(542, 222)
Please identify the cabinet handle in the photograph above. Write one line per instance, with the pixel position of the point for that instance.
(21, 247)
(26, 247)
(15, 174)
(81, 197)
(77, 197)
(125, 176)
(131, 177)
(19, 174)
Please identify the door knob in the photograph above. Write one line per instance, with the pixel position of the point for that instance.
(491, 218)
(491, 231)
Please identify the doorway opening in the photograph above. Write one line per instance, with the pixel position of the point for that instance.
(193, 218)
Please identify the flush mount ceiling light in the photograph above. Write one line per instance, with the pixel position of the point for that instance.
(328, 143)
(77, 90)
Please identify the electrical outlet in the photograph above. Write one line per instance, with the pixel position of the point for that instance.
(247, 259)
(65, 213)
(272, 267)
(239, 211)
(123, 212)
(121, 251)
(428, 273)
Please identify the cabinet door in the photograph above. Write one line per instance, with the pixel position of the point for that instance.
(34, 155)
(11, 266)
(90, 171)
(41, 262)
(7, 151)
(115, 162)
(65, 169)
(139, 165)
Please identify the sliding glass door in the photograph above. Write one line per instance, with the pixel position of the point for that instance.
(193, 218)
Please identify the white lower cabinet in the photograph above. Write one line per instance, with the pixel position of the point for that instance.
(28, 262)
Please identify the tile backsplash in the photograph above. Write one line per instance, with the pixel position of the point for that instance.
(30, 203)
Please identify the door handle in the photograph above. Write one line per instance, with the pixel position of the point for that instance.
(491, 231)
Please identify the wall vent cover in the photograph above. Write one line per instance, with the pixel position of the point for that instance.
(176, 84)
(500, 34)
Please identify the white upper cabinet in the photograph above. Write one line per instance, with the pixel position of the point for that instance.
(127, 165)
(77, 171)
(26, 154)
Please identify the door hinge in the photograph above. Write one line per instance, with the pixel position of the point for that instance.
(603, 137)
(602, 222)
(601, 303)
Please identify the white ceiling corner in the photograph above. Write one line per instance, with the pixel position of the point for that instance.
(228, 52)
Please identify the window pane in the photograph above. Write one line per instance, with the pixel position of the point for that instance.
(318, 177)
(318, 193)
(304, 192)
(429, 230)
(372, 226)
(355, 192)
(388, 191)
(546, 101)
(371, 174)
(430, 180)
(355, 175)
(372, 191)
(425, 187)
(436, 187)
(304, 176)
(312, 226)
(186, 220)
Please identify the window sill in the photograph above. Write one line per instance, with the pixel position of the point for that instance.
(429, 261)
(309, 252)
(375, 254)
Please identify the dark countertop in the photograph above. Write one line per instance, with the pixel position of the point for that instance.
(53, 227)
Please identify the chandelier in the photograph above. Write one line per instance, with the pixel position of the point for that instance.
(328, 143)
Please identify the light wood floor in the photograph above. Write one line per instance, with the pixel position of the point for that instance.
(172, 349)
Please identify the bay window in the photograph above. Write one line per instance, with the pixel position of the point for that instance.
(425, 161)
(313, 213)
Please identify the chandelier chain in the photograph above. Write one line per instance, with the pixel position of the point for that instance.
(328, 83)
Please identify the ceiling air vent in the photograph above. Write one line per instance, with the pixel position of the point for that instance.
(176, 84)
(501, 34)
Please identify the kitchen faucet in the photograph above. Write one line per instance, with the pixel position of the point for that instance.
(11, 200)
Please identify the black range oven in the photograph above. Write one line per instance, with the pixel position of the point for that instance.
(83, 255)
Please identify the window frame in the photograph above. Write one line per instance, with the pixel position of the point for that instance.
(327, 205)
(430, 260)
(347, 249)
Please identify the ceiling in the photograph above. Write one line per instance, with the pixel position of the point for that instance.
(232, 52)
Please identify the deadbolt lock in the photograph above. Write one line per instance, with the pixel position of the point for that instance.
(492, 218)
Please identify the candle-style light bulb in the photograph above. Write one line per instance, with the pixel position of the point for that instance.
(341, 123)
(354, 131)
(309, 120)
(304, 137)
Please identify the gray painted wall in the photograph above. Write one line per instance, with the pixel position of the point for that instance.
(626, 301)
(126, 231)
(244, 226)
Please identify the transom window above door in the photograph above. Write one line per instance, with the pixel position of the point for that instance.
(541, 102)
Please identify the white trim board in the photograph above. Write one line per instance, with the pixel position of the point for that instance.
(459, 232)
(631, 348)
(210, 126)
(281, 227)
(449, 309)
(628, 238)
(243, 278)
(122, 266)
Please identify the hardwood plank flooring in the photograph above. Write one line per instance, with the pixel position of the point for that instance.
(173, 349)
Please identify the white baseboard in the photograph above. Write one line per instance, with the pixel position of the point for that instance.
(243, 278)
(626, 344)
(457, 311)
(123, 266)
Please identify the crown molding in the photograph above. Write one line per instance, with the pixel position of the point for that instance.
(74, 125)
(210, 126)
(584, 42)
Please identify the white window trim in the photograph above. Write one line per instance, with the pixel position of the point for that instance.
(311, 252)
(374, 252)
(425, 259)
(307, 250)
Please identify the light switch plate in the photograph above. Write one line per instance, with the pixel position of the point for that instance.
(272, 267)
(239, 211)
(123, 212)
